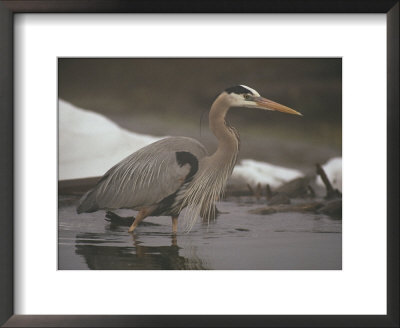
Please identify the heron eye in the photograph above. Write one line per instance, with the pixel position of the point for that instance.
(246, 96)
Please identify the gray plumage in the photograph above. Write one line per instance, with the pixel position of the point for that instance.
(144, 178)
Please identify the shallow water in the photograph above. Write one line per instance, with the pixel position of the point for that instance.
(236, 240)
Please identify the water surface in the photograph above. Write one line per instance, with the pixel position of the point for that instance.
(236, 240)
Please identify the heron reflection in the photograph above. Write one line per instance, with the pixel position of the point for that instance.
(102, 252)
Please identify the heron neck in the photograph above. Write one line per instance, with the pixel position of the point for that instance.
(228, 143)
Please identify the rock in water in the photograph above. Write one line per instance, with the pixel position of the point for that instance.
(332, 208)
(295, 188)
(280, 198)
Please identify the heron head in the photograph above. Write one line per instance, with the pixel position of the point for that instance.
(244, 96)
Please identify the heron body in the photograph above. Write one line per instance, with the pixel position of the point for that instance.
(177, 172)
(151, 177)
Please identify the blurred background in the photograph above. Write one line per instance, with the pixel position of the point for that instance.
(172, 97)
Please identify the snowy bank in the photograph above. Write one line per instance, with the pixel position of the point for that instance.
(333, 169)
(89, 143)
(253, 172)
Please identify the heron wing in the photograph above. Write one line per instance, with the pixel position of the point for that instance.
(145, 177)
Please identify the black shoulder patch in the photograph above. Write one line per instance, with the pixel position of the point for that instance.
(184, 157)
(239, 90)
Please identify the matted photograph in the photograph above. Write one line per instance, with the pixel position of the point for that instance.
(199, 163)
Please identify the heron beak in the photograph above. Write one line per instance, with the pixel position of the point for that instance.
(264, 103)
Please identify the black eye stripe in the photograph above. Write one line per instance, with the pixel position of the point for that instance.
(239, 90)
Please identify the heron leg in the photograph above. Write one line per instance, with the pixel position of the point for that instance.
(174, 224)
(139, 217)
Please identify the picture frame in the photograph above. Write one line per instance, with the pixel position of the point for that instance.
(7, 10)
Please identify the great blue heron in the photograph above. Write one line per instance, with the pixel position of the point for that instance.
(176, 172)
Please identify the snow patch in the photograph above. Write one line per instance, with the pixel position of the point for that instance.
(333, 169)
(254, 172)
(90, 144)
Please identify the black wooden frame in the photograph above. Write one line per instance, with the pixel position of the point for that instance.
(7, 10)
